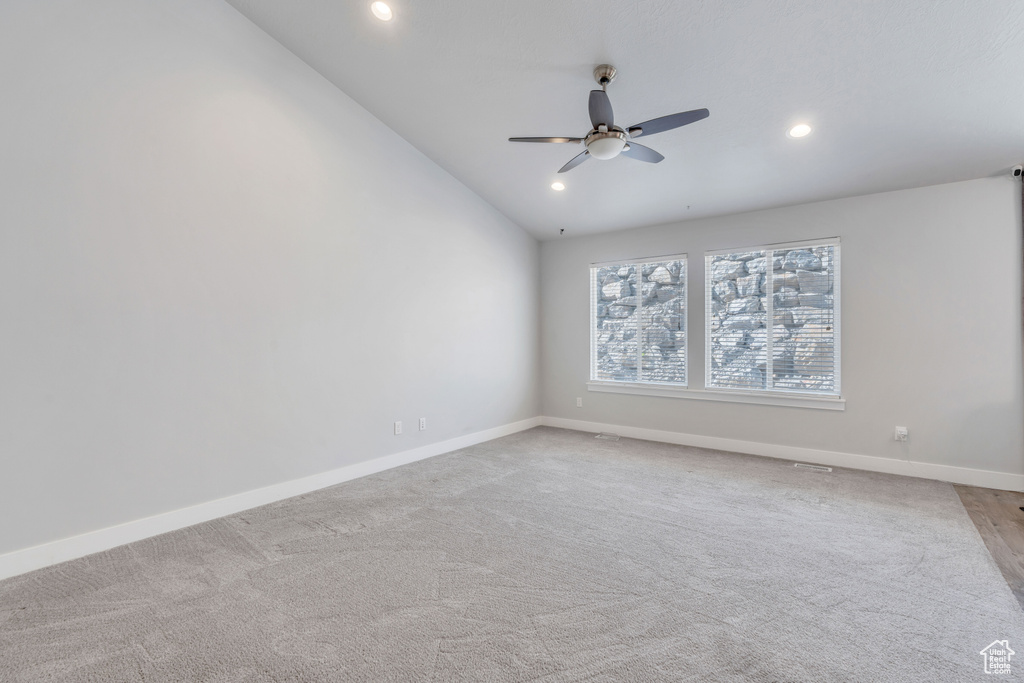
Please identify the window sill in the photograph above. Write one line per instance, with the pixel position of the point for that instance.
(770, 399)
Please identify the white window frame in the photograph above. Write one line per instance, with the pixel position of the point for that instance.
(836, 395)
(616, 386)
(777, 397)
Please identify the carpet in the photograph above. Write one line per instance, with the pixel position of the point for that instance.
(547, 555)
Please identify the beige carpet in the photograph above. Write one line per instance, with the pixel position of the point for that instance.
(544, 556)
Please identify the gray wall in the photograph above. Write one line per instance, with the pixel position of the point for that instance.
(218, 272)
(931, 326)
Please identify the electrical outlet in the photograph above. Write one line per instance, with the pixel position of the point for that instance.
(398, 428)
(423, 423)
(579, 402)
(901, 434)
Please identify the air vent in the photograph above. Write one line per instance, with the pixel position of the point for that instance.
(816, 468)
(607, 436)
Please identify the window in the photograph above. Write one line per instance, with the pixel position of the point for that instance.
(638, 321)
(772, 318)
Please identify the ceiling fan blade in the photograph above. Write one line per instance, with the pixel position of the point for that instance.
(641, 153)
(545, 139)
(600, 109)
(575, 161)
(660, 125)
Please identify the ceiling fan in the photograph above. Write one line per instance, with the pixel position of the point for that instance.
(606, 140)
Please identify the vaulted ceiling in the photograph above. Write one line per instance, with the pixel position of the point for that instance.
(900, 93)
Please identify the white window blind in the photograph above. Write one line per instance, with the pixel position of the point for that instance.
(772, 318)
(638, 321)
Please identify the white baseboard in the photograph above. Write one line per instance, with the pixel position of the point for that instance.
(955, 475)
(36, 557)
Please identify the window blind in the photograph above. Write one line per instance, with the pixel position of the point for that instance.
(771, 318)
(638, 321)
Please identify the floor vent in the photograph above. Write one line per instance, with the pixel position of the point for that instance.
(607, 435)
(816, 468)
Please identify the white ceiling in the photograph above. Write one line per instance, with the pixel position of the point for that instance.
(901, 93)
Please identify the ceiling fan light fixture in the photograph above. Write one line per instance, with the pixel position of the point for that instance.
(382, 11)
(557, 186)
(799, 130)
(606, 145)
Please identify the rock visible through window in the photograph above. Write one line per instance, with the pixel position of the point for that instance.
(771, 319)
(638, 321)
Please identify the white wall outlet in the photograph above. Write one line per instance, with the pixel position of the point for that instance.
(423, 423)
(901, 434)
(579, 402)
(398, 427)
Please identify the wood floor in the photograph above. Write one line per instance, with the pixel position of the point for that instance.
(1000, 521)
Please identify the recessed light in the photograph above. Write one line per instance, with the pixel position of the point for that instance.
(557, 187)
(799, 130)
(381, 11)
